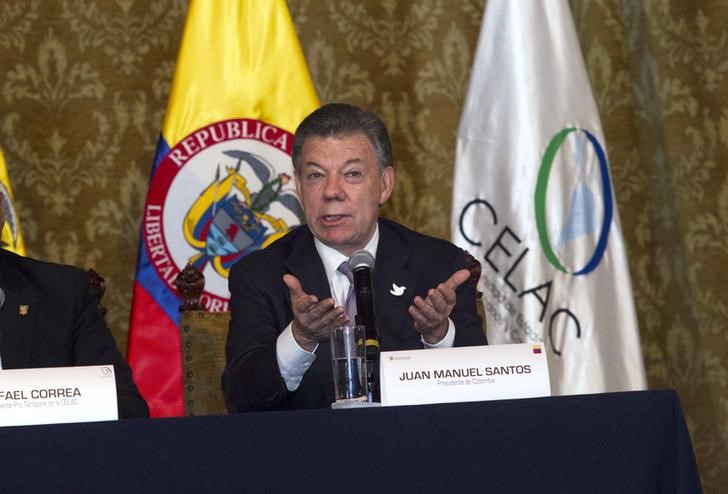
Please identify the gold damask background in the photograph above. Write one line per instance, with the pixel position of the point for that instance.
(84, 83)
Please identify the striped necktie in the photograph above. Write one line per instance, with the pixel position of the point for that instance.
(350, 303)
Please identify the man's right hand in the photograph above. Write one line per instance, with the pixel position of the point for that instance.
(312, 320)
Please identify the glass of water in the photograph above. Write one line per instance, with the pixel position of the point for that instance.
(348, 357)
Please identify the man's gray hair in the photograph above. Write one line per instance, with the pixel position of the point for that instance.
(343, 120)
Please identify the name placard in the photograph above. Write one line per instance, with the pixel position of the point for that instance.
(56, 395)
(447, 375)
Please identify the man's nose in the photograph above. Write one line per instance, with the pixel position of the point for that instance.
(333, 189)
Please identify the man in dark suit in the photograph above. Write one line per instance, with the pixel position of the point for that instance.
(50, 318)
(285, 299)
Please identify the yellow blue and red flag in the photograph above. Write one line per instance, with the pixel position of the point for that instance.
(220, 185)
(12, 239)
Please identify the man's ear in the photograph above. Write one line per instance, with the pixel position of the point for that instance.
(387, 178)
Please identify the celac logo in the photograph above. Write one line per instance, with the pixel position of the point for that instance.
(571, 234)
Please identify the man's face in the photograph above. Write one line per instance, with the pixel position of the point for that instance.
(341, 188)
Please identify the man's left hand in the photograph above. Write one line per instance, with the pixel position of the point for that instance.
(430, 314)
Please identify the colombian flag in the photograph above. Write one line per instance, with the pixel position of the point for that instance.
(240, 77)
(11, 237)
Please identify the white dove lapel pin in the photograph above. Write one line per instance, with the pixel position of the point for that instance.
(396, 290)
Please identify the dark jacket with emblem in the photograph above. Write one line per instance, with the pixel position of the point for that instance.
(51, 318)
(261, 310)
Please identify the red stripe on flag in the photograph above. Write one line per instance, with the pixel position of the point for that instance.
(155, 356)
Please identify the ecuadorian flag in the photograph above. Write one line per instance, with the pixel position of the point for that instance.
(220, 185)
(12, 239)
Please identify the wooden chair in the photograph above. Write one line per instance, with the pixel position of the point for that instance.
(203, 343)
(203, 336)
(98, 283)
(476, 270)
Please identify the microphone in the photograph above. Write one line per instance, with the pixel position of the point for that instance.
(361, 264)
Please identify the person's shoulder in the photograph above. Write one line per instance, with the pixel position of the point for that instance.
(419, 242)
(30, 264)
(45, 276)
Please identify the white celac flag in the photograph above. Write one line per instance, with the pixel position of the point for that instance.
(533, 201)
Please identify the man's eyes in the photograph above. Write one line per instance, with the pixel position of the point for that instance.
(351, 175)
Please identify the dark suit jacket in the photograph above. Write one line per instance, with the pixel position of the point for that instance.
(63, 325)
(260, 307)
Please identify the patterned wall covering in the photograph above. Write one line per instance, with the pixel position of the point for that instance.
(84, 83)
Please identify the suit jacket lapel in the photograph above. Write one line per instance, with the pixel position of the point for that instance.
(305, 264)
(16, 318)
(391, 268)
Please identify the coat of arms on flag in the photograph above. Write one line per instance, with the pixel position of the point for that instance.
(221, 193)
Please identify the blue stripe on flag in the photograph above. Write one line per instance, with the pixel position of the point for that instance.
(148, 278)
(162, 150)
(146, 275)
